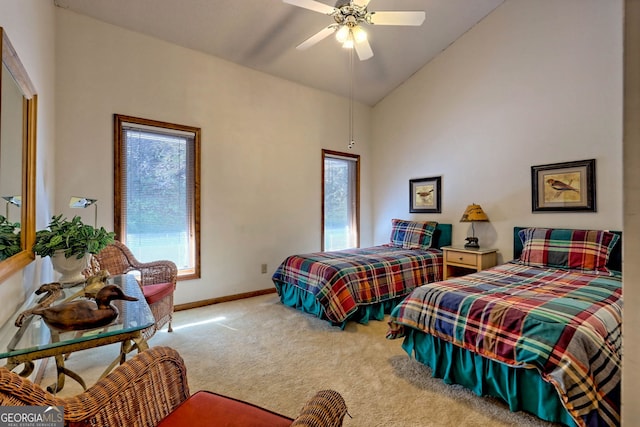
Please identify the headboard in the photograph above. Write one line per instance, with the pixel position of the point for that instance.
(442, 236)
(615, 258)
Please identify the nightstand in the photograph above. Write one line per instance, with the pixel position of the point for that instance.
(459, 260)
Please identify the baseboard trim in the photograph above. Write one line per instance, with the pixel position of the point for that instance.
(203, 303)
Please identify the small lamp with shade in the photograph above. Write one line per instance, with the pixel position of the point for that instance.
(12, 200)
(473, 213)
(85, 202)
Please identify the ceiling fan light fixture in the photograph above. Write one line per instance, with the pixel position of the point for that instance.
(343, 33)
(348, 16)
(359, 35)
(348, 44)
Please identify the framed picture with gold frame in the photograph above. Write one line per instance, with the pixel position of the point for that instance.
(563, 187)
(425, 195)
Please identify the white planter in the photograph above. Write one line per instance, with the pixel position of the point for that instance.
(69, 268)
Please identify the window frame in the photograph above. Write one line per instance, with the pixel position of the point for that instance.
(118, 176)
(356, 158)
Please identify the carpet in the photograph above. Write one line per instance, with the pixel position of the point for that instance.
(261, 351)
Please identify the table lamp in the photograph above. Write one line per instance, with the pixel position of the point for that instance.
(12, 200)
(473, 213)
(85, 202)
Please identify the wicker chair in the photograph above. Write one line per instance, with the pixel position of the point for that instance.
(140, 392)
(144, 391)
(116, 258)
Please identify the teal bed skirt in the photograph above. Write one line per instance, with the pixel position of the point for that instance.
(522, 389)
(302, 300)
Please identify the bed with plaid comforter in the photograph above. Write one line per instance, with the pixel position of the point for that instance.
(564, 323)
(343, 281)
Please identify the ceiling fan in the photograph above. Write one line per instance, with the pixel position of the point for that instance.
(348, 16)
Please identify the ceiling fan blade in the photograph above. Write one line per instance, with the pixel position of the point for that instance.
(362, 3)
(322, 34)
(363, 49)
(397, 18)
(316, 6)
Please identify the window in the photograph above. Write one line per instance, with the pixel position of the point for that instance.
(157, 191)
(340, 200)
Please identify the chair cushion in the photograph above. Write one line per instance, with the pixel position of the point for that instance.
(154, 293)
(205, 408)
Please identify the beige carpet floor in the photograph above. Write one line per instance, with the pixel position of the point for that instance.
(260, 351)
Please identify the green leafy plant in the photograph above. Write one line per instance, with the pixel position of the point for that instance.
(9, 238)
(74, 237)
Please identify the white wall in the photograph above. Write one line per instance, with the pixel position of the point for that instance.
(631, 270)
(30, 26)
(536, 82)
(261, 145)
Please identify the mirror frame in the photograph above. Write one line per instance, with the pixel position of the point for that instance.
(10, 59)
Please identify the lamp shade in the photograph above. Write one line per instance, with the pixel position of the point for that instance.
(81, 202)
(343, 33)
(84, 202)
(359, 35)
(474, 213)
(14, 200)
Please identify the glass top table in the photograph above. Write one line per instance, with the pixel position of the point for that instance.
(34, 340)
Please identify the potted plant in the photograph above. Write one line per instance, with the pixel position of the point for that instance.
(70, 245)
(9, 238)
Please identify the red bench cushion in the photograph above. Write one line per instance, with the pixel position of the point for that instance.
(154, 293)
(206, 409)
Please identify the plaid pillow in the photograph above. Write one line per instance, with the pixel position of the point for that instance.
(586, 250)
(412, 234)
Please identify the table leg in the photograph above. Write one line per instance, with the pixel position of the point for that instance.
(59, 384)
(141, 343)
(28, 368)
(126, 347)
(62, 373)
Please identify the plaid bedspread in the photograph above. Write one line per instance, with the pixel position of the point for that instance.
(566, 324)
(343, 280)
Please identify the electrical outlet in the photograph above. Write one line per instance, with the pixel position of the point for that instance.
(263, 268)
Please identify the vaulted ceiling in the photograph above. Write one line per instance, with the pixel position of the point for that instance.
(263, 35)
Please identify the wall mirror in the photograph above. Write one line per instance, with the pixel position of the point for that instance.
(18, 107)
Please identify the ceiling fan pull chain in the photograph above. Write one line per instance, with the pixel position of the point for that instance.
(351, 140)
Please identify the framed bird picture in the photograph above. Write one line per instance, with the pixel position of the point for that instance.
(425, 195)
(562, 187)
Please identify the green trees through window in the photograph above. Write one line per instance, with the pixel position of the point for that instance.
(156, 191)
(157, 185)
(340, 192)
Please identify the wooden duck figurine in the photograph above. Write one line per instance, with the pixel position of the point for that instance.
(84, 314)
(92, 286)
